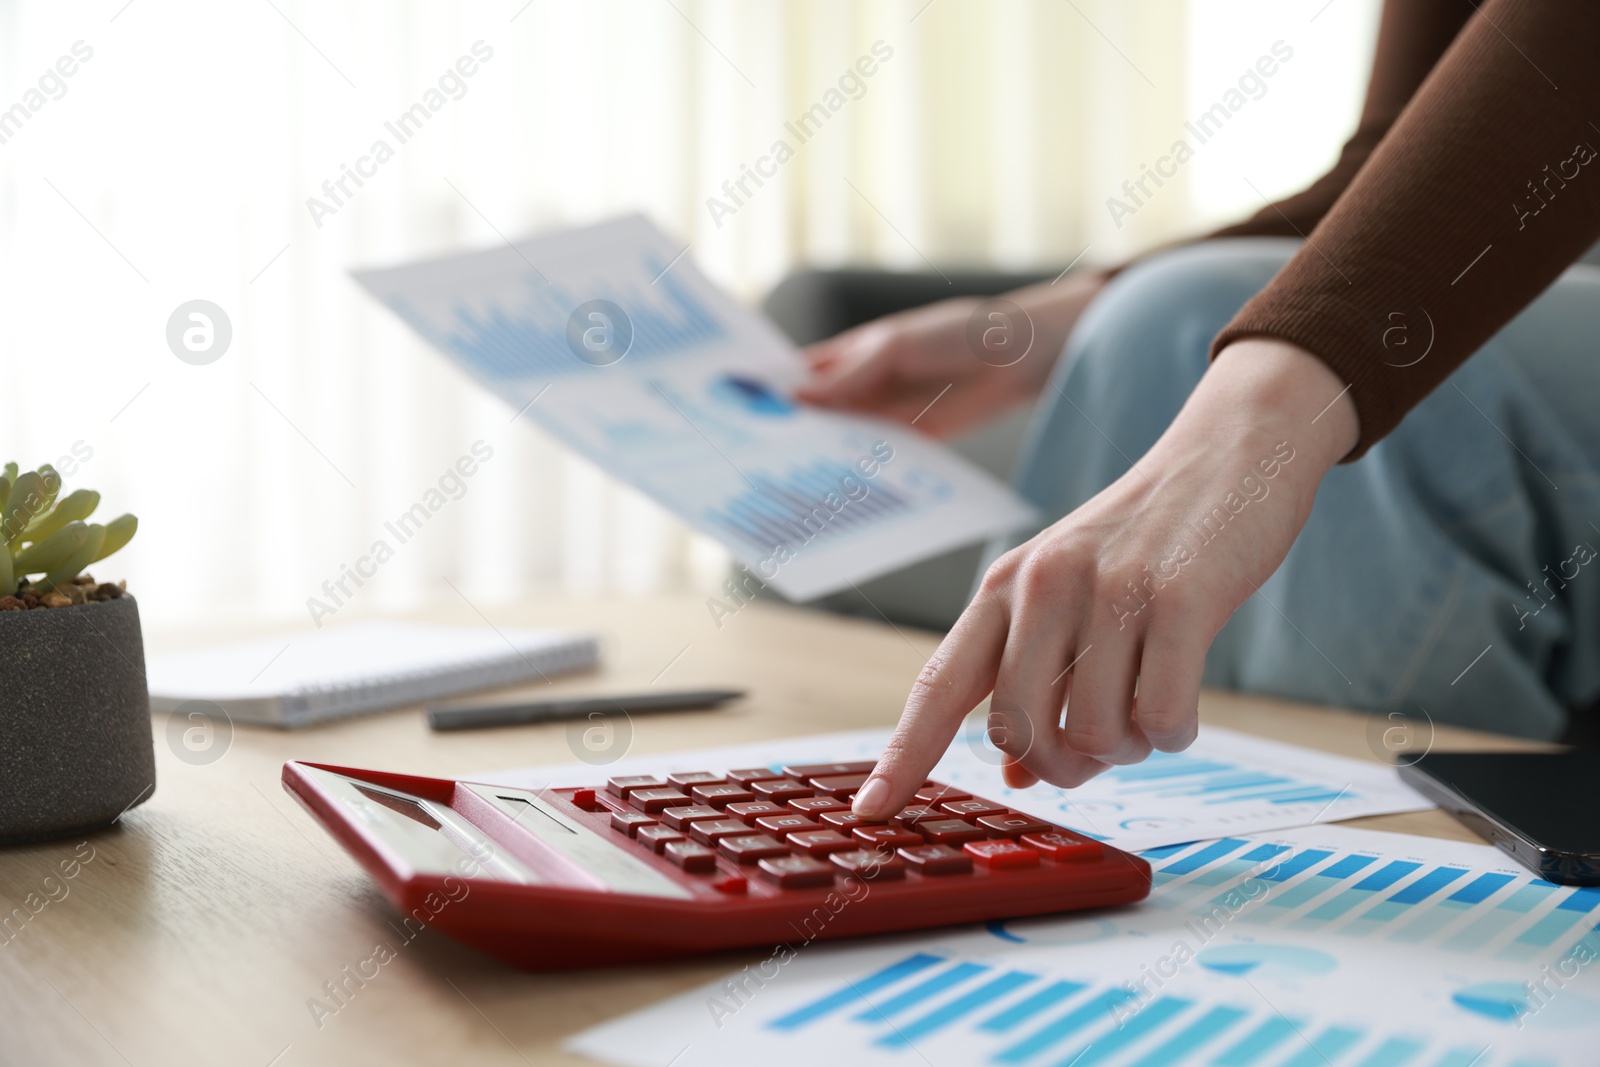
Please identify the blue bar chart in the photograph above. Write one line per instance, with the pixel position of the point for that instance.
(1169, 775)
(530, 339)
(1053, 1023)
(1320, 882)
(792, 509)
(1364, 891)
(1355, 895)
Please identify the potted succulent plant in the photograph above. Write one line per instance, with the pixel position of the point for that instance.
(75, 742)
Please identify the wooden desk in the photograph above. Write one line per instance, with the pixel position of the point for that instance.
(211, 914)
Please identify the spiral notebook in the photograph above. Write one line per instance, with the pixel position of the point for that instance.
(363, 667)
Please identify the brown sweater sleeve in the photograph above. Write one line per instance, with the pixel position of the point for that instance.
(1484, 188)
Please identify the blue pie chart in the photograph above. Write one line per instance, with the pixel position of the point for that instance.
(1512, 1002)
(1267, 961)
(1500, 1001)
(1052, 930)
(752, 395)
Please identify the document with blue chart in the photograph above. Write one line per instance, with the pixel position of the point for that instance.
(610, 338)
(1318, 947)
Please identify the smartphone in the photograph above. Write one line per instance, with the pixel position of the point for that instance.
(1541, 807)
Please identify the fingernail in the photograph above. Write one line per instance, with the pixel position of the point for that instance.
(873, 797)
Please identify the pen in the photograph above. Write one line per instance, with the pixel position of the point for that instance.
(476, 716)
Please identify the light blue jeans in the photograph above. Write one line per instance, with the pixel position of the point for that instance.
(1448, 571)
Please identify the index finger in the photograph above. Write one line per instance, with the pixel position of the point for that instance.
(959, 675)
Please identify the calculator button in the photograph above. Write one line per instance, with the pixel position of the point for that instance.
(839, 785)
(721, 795)
(732, 884)
(936, 859)
(911, 816)
(692, 857)
(748, 848)
(819, 843)
(713, 830)
(679, 818)
(1065, 847)
(629, 822)
(797, 872)
(1002, 854)
(815, 806)
(870, 865)
(656, 799)
(935, 795)
(846, 820)
(972, 808)
(687, 780)
(621, 787)
(780, 789)
(779, 825)
(752, 810)
(585, 799)
(886, 837)
(812, 770)
(950, 831)
(1013, 823)
(753, 774)
(657, 837)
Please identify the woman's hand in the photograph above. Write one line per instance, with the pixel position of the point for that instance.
(1109, 612)
(899, 365)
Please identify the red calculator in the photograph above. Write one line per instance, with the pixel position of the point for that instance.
(651, 867)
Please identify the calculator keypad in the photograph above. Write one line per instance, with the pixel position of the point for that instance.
(792, 829)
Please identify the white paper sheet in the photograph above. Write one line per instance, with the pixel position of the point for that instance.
(1318, 947)
(671, 386)
(1226, 783)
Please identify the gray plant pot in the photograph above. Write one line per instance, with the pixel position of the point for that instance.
(75, 741)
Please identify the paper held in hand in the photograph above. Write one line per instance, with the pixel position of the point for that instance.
(610, 339)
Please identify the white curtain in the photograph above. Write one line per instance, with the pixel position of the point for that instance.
(176, 160)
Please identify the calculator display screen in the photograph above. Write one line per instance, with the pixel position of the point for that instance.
(429, 837)
(540, 845)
